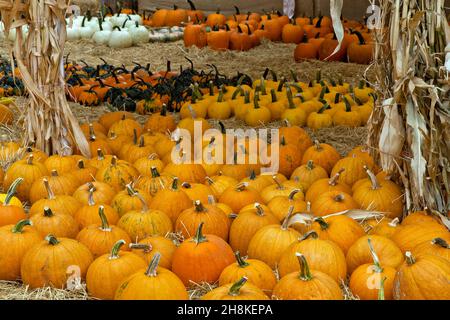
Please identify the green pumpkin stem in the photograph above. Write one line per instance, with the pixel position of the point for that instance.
(199, 206)
(220, 96)
(130, 190)
(199, 237)
(155, 173)
(18, 228)
(281, 84)
(51, 239)
(175, 183)
(263, 87)
(255, 100)
(236, 92)
(100, 155)
(311, 234)
(153, 266)
(290, 98)
(310, 165)
(241, 262)
(236, 287)
(322, 223)
(104, 220)
(440, 242)
(259, 209)
(246, 97)
(12, 191)
(305, 273)
(115, 249)
(274, 95)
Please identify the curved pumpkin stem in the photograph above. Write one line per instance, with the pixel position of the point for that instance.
(143, 202)
(153, 266)
(12, 191)
(259, 209)
(292, 194)
(105, 225)
(333, 180)
(236, 287)
(322, 223)
(241, 262)
(91, 201)
(51, 239)
(141, 246)
(311, 234)
(199, 206)
(285, 224)
(115, 249)
(18, 228)
(373, 179)
(305, 273)
(199, 237)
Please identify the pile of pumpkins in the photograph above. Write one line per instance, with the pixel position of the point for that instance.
(317, 104)
(110, 216)
(116, 31)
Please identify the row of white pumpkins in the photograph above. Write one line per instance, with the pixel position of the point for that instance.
(118, 31)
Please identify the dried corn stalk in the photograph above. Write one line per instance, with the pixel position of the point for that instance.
(410, 127)
(49, 122)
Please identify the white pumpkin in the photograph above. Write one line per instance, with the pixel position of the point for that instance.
(86, 31)
(138, 33)
(106, 25)
(118, 20)
(73, 33)
(120, 38)
(93, 23)
(102, 36)
(137, 18)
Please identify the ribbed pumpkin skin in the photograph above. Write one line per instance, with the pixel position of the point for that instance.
(322, 155)
(359, 253)
(322, 186)
(59, 224)
(123, 202)
(159, 244)
(216, 221)
(105, 274)
(332, 202)
(257, 272)
(365, 282)
(186, 172)
(280, 205)
(430, 247)
(426, 279)
(342, 230)
(307, 174)
(60, 184)
(164, 286)
(117, 174)
(62, 164)
(244, 227)
(321, 287)
(99, 241)
(238, 199)
(61, 203)
(269, 243)
(354, 169)
(171, 202)
(13, 247)
(103, 193)
(388, 198)
(28, 169)
(140, 225)
(410, 236)
(47, 265)
(322, 255)
(202, 262)
(247, 292)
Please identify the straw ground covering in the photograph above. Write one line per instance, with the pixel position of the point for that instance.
(278, 57)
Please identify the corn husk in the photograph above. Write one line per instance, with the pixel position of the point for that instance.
(409, 130)
(48, 121)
